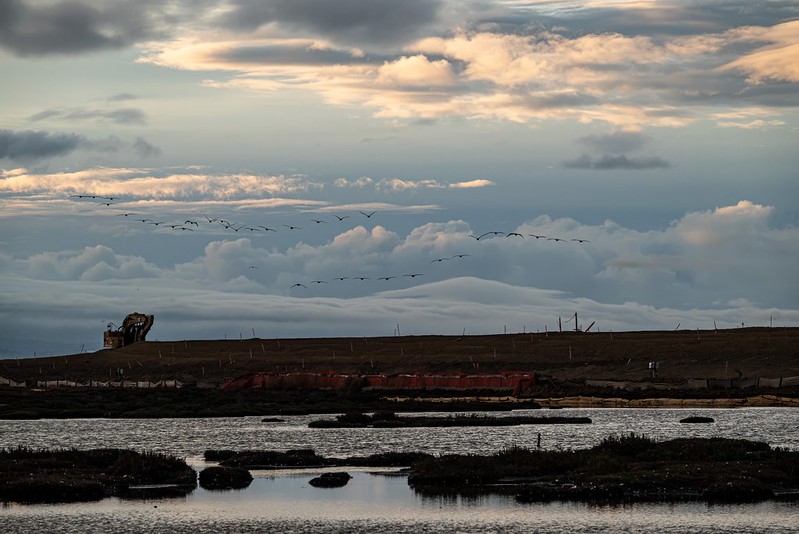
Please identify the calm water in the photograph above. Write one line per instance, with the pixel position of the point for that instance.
(283, 501)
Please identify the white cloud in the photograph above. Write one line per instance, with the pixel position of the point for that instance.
(416, 71)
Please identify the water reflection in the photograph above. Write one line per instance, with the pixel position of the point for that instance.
(378, 503)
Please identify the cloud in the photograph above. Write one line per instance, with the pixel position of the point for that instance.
(471, 184)
(140, 183)
(616, 162)
(416, 71)
(64, 27)
(616, 142)
(509, 61)
(360, 183)
(114, 116)
(32, 145)
(145, 149)
(398, 185)
(92, 264)
(727, 264)
(778, 61)
(351, 21)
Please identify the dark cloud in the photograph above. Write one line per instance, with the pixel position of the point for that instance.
(664, 19)
(116, 116)
(296, 55)
(29, 145)
(616, 162)
(616, 142)
(145, 149)
(108, 145)
(352, 21)
(70, 27)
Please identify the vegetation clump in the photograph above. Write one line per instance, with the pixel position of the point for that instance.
(222, 478)
(391, 420)
(330, 480)
(275, 459)
(69, 475)
(622, 468)
(218, 455)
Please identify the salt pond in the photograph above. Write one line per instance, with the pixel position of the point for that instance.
(283, 501)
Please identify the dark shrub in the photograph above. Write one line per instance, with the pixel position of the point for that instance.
(218, 455)
(331, 480)
(218, 478)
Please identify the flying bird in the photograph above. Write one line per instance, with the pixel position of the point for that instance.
(555, 239)
(317, 221)
(318, 282)
(300, 285)
(342, 217)
(191, 222)
(414, 275)
(581, 240)
(439, 260)
(537, 236)
(361, 278)
(386, 277)
(514, 233)
(368, 215)
(292, 227)
(460, 256)
(267, 229)
(481, 236)
(341, 278)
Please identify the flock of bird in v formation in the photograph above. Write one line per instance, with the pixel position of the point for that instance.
(190, 225)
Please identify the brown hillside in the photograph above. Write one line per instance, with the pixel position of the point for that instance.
(744, 352)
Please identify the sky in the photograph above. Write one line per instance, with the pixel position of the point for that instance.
(310, 168)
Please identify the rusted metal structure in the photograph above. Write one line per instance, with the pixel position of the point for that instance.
(134, 328)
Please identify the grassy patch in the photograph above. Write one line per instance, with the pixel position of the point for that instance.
(69, 475)
(620, 468)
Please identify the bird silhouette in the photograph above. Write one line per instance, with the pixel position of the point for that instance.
(386, 277)
(413, 275)
(460, 256)
(361, 278)
(341, 278)
(267, 229)
(318, 282)
(581, 240)
(439, 260)
(317, 221)
(300, 285)
(368, 215)
(191, 222)
(514, 233)
(555, 239)
(537, 236)
(342, 217)
(481, 236)
(292, 227)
